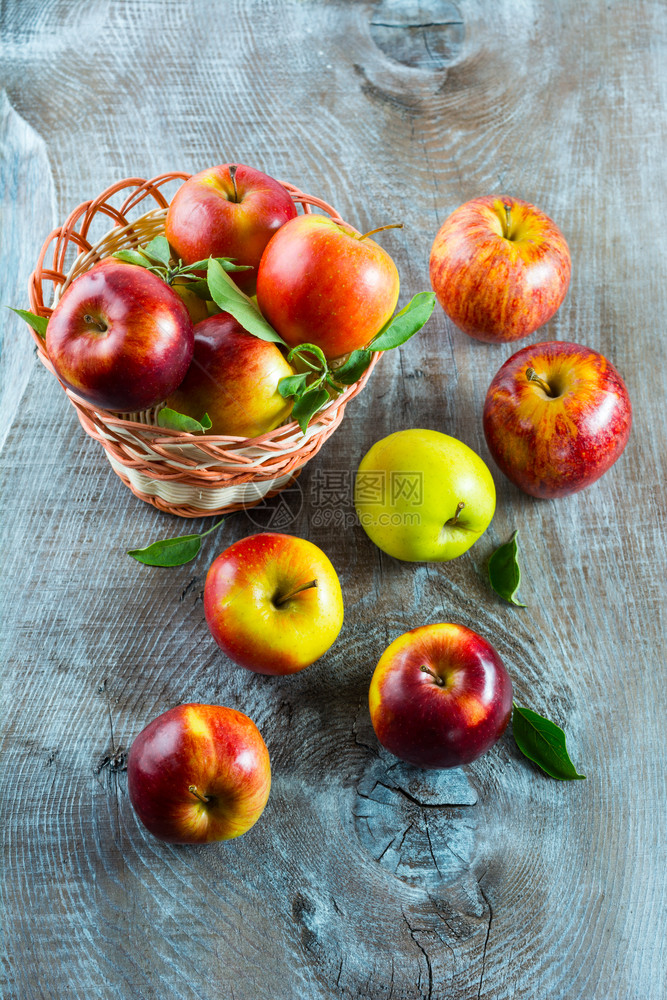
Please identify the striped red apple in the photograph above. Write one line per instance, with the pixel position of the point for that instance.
(557, 416)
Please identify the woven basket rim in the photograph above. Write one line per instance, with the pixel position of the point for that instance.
(66, 233)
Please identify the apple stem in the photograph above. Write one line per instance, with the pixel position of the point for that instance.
(532, 376)
(197, 794)
(427, 670)
(381, 229)
(459, 507)
(508, 220)
(233, 167)
(102, 327)
(293, 593)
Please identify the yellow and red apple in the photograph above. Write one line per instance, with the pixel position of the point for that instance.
(500, 268)
(321, 283)
(228, 211)
(273, 603)
(199, 773)
(557, 416)
(440, 696)
(234, 378)
(120, 337)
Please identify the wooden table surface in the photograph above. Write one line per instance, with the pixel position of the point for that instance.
(363, 879)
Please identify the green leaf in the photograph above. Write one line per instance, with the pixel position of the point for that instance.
(38, 323)
(132, 257)
(292, 385)
(354, 367)
(505, 572)
(543, 742)
(200, 288)
(176, 421)
(307, 406)
(317, 352)
(231, 299)
(172, 551)
(226, 263)
(159, 250)
(405, 323)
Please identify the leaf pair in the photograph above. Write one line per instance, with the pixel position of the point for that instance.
(308, 389)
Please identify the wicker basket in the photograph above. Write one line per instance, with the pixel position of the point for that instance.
(184, 474)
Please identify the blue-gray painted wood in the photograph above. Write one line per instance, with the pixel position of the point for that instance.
(364, 880)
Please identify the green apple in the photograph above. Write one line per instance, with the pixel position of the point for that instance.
(423, 496)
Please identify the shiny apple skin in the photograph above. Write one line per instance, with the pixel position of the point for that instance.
(206, 219)
(319, 283)
(434, 726)
(552, 447)
(146, 349)
(234, 378)
(218, 750)
(239, 594)
(493, 288)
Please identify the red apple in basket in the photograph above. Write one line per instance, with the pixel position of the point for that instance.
(320, 282)
(120, 337)
(440, 696)
(273, 603)
(500, 268)
(228, 211)
(199, 773)
(234, 378)
(556, 417)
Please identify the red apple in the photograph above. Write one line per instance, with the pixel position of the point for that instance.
(500, 268)
(234, 378)
(228, 211)
(556, 417)
(120, 337)
(440, 696)
(273, 603)
(199, 773)
(321, 283)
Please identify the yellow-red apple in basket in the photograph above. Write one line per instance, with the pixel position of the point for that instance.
(234, 378)
(321, 283)
(228, 211)
(273, 603)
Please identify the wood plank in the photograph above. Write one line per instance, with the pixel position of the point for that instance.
(363, 879)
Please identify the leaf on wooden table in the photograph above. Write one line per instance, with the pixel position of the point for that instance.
(543, 742)
(170, 552)
(505, 572)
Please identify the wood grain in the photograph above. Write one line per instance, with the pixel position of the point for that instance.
(364, 879)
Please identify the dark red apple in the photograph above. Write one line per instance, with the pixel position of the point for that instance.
(556, 417)
(234, 378)
(321, 283)
(440, 696)
(120, 337)
(199, 773)
(228, 211)
(500, 268)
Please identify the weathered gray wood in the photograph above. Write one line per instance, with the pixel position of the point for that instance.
(364, 879)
